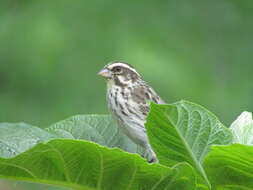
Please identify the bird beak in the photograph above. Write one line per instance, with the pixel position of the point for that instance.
(106, 73)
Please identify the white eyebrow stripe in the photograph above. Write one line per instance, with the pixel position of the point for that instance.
(121, 65)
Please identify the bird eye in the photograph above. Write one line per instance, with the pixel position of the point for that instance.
(118, 69)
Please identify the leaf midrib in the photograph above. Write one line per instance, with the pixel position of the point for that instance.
(188, 149)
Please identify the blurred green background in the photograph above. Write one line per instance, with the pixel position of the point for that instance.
(50, 52)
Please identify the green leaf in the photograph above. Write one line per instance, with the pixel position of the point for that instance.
(85, 165)
(242, 129)
(16, 138)
(230, 167)
(101, 129)
(184, 132)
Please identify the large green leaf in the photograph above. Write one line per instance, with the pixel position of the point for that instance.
(85, 165)
(16, 138)
(184, 132)
(242, 129)
(230, 167)
(96, 128)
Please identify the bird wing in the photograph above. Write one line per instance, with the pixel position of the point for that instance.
(143, 95)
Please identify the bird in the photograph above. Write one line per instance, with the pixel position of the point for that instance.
(128, 97)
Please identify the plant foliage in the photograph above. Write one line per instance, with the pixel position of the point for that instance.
(88, 152)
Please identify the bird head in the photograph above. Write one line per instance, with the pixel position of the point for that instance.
(119, 73)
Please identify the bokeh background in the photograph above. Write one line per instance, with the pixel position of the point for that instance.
(50, 52)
